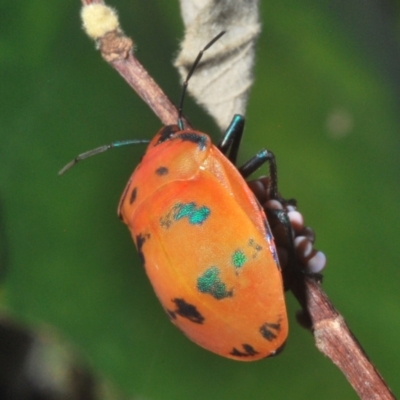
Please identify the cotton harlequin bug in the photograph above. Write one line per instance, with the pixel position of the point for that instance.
(204, 239)
(205, 242)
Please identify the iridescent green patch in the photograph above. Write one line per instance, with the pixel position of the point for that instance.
(196, 216)
(238, 259)
(210, 283)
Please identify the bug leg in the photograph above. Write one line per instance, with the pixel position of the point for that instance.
(254, 163)
(230, 143)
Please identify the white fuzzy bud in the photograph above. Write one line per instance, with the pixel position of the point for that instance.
(99, 19)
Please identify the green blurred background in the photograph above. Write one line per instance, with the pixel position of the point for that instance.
(325, 100)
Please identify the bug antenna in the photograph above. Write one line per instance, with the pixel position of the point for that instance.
(190, 73)
(99, 150)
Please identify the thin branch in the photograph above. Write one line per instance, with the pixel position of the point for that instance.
(117, 50)
(144, 85)
(332, 336)
(334, 339)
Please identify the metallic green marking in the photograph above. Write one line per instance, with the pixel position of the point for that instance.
(184, 210)
(196, 216)
(199, 216)
(210, 283)
(238, 259)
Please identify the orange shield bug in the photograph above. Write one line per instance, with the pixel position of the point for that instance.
(204, 239)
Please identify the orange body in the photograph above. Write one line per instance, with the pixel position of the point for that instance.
(206, 246)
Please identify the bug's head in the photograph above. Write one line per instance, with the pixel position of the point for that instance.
(172, 133)
(164, 134)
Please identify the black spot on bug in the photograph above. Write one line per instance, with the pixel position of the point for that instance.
(194, 137)
(255, 248)
(188, 311)
(167, 132)
(162, 171)
(270, 331)
(167, 219)
(253, 244)
(140, 240)
(248, 351)
(133, 195)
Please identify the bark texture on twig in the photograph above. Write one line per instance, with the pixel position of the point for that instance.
(334, 339)
(332, 336)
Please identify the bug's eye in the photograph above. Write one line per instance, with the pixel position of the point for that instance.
(167, 132)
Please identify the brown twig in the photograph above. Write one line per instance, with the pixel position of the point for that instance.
(334, 339)
(117, 50)
(332, 336)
